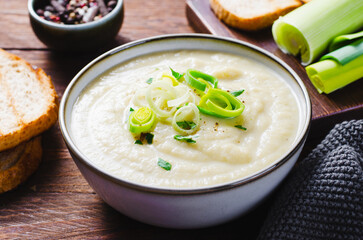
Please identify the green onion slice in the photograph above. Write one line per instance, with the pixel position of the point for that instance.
(200, 80)
(141, 120)
(186, 119)
(164, 164)
(220, 103)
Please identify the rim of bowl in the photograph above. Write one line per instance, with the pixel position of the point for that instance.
(111, 14)
(300, 138)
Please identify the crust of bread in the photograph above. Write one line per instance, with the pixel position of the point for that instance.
(38, 124)
(23, 161)
(254, 22)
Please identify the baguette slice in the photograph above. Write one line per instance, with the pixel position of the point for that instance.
(18, 163)
(252, 15)
(28, 101)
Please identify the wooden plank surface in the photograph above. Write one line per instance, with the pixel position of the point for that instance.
(342, 104)
(56, 202)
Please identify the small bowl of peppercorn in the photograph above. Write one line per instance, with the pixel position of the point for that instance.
(75, 25)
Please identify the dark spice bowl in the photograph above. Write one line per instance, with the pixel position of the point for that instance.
(192, 207)
(76, 37)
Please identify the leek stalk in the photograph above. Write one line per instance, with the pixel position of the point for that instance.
(308, 30)
(329, 75)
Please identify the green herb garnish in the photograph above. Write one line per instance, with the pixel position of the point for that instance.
(176, 74)
(138, 142)
(164, 164)
(241, 127)
(187, 125)
(184, 139)
(237, 93)
(149, 138)
(149, 81)
(131, 109)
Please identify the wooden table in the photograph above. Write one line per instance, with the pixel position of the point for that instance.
(56, 202)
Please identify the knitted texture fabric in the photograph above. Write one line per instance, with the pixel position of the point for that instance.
(322, 197)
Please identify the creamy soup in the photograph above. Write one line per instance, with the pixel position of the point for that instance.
(222, 152)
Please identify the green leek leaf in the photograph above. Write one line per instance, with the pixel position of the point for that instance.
(347, 53)
(343, 40)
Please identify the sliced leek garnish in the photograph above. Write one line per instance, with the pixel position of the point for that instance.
(171, 100)
(188, 115)
(157, 96)
(184, 95)
(200, 80)
(220, 103)
(329, 75)
(141, 120)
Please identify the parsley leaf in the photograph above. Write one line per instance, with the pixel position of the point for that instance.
(131, 109)
(164, 164)
(237, 93)
(241, 127)
(149, 138)
(149, 81)
(187, 125)
(138, 142)
(184, 139)
(176, 74)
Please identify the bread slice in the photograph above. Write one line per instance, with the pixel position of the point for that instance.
(28, 101)
(18, 163)
(252, 15)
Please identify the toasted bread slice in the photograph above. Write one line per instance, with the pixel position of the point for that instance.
(28, 101)
(252, 15)
(18, 163)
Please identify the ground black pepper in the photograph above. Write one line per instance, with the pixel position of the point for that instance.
(75, 11)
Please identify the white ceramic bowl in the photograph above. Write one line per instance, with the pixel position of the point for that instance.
(184, 208)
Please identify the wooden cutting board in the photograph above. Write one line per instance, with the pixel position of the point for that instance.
(343, 104)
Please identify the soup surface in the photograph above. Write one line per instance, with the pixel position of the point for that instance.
(222, 152)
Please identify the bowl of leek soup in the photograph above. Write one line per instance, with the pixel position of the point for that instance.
(185, 130)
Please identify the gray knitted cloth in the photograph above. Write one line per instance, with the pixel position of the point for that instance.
(322, 198)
